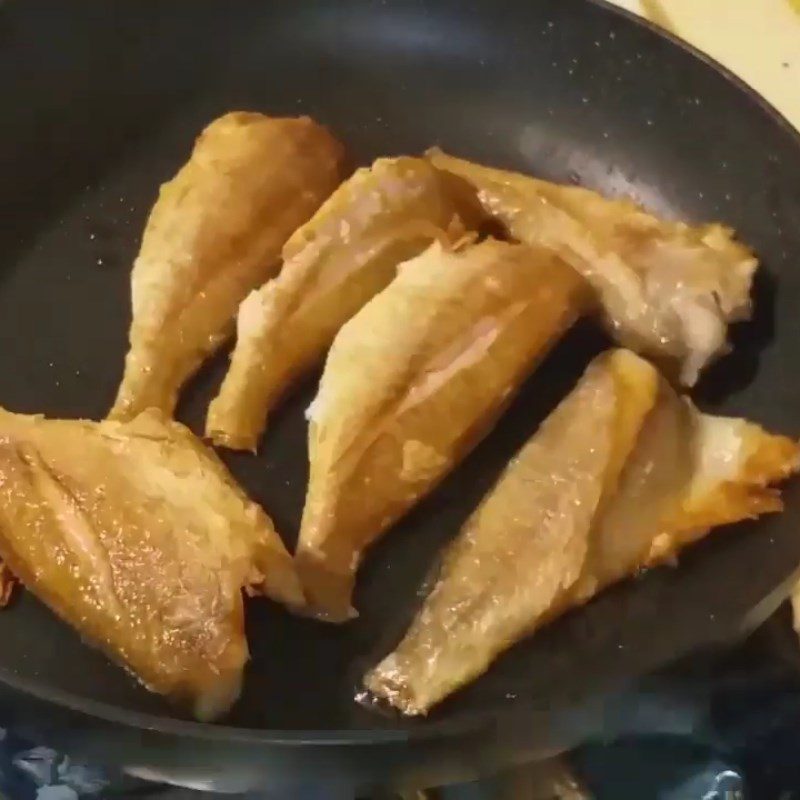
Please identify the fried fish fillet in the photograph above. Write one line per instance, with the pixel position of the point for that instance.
(346, 254)
(795, 599)
(666, 289)
(411, 384)
(7, 583)
(216, 233)
(136, 535)
(622, 475)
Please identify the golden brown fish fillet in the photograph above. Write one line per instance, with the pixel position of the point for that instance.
(216, 233)
(7, 584)
(795, 600)
(136, 534)
(411, 384)
(342, 257)
(666, 289)
(620, 476)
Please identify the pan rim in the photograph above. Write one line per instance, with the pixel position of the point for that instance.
(457, 726)
(706, 59)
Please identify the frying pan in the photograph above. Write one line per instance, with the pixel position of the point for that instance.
(102, 100)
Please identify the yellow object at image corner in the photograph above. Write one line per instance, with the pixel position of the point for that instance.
(758, 40)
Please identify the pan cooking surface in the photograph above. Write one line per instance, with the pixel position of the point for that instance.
(101, 109)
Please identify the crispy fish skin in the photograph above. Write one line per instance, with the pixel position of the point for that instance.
(336, 262)
(666, 289)
(214, 234)
(546, 538)
(136, 535)
(709, 471)
(411, 384)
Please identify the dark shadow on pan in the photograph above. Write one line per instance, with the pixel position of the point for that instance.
(732, 373)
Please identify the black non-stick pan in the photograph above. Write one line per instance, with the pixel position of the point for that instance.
(101, 101)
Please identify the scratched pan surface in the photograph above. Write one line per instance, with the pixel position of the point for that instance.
(101, 101)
